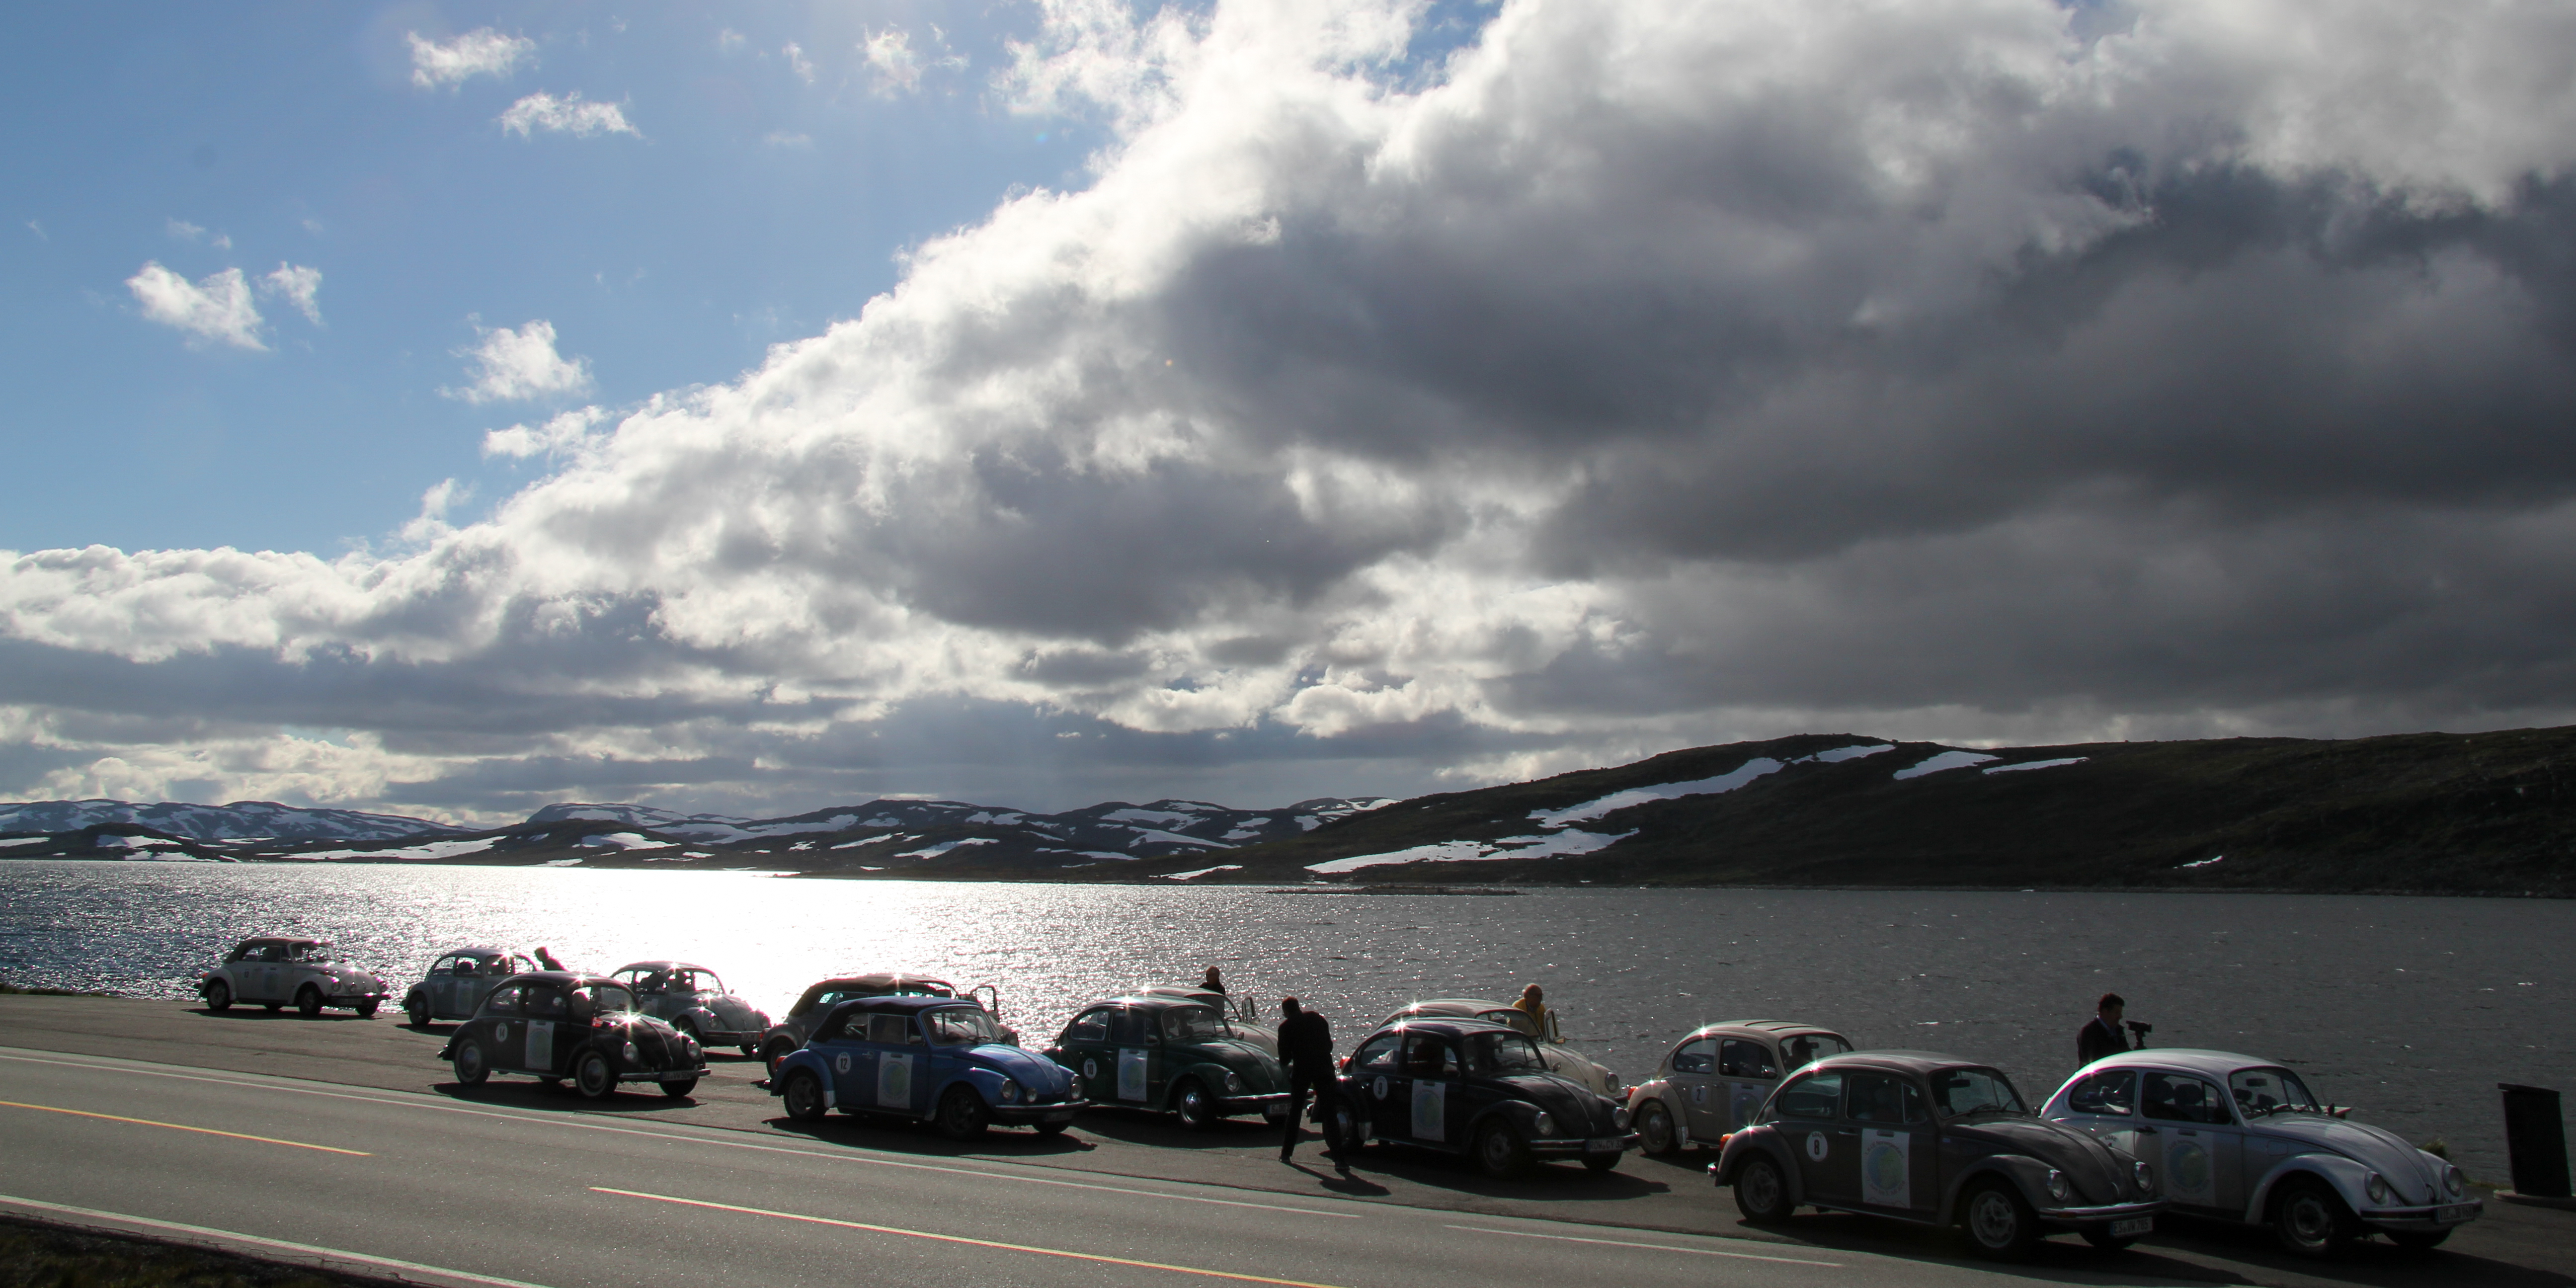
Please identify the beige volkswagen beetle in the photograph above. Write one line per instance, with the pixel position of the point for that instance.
(1562, 1060)
(1716, 1078)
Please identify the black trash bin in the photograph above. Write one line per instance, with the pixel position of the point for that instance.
(2536, 1139)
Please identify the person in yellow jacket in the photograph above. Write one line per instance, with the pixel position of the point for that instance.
(1534, 1005)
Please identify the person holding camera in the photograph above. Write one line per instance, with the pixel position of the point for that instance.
(2101, 1035)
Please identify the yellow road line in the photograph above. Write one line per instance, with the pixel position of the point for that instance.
(1659, 1247)
(202, 1131)
(952, 1238)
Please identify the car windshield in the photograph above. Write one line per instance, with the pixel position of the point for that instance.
(2271, 1091)
(961, 1026)
(1195, 1024)
(1961, 1092)
(601, 999)
(315, 954)
(1807, 1048)
(696, 981)
(1493, 1055)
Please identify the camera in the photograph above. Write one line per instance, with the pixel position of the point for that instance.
(2139, 1027)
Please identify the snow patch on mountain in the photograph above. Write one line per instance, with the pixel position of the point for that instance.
(1570, 841)
(1946, 760)
(239, 820)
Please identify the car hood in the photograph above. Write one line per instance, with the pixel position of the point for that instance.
(2383, 1151)
(1242, 1057)
(1569, 1100)
(2101, 1173)
(1024, 1066)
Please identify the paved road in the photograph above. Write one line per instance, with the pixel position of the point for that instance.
(1646, 1200)
(472, 1193)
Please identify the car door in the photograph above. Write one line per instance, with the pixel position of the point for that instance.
(1133, 1082)
(1372, 1082)
(901, 1081)
(438, 987)
(267, 973)
(1431, 1112)
(505, 1031)
(1898, 1164)
(1085, 1047)
(545, 1015)
(1691, 1072)
(1809, 1111)
(2201, 1151)
(1748, 1070)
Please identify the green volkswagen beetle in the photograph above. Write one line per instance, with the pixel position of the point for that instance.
(1174, 1055)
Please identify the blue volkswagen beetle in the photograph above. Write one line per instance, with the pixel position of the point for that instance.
(939, 1059)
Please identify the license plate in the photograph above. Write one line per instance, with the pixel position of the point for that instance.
(2133, 1226)
(1274, 1112)
(1060, 1116)
(2454, 1214)
(1601, 1147)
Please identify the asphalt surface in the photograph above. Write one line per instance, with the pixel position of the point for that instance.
(517, 1182)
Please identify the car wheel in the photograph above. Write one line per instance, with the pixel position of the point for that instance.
(1601, 1162)
(1655, 1128)
(1761, 1195)
(2418, 1240)
(1997, 1222)
(591, 1075)
(1354, 1138)
(274, 1007)
(689, 1028)
(367, 1009)
(1499, 1150)
(471, 1067)
(804, 1095)
(678, 1087)
(750, 1051)
(308, 1001)
(962, 1115)
(1050, 1129)
(219, 996)
(416, 1010)
(1190, 1102)
(2309, 1220)
(2100, 1236)
(777, 1051)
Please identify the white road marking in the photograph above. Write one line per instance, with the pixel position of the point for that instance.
(219, 1238)
(1659, 1247)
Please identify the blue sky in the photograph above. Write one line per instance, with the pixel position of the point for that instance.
(454, 409)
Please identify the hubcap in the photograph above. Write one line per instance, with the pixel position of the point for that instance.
(2309, 1221)
(1761, 1189)
(803, 1096)
(1993, 1219)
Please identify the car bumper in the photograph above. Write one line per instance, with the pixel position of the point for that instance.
(355, 999)
(728, 1038)
(662, 1075)
(1061, 1111)
(1270, 1104)
(1579, 1147)
(2083, 1216)
(2440, 1216)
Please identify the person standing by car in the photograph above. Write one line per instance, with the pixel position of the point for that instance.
(1214, 983)
(1306, 1047)
(546, 960)
(2100, 1035)
(1534, 1005)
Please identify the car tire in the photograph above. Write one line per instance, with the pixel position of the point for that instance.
(1655, 1132)
(274, 1007)
(1500, 1151)
(678, 1087)
(1761, 1193)
(2100, 1236)
(750, 1051)
(1601, 1162)
(308, 1001)
(1354, 1136)
(592, 1077)
(689, 1029)
(777, 1051)
(219, 996)
(804, 1096)
(1050, 1129)
(416, 1010)
(367, 1009)
(471, 1067)
(962, 1115)
(1997, 1222)
(2311, 1220)
(1191, 1105)
(2418, 1240)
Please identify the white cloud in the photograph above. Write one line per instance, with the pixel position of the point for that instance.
(797, 62)
(784, 139)
(1648, 373)
(38, 229)
(301, 286)
(182, 230)
(898, 67)
(511, 365)
(480, 52)
(214, 308)
(566, 115)
(431, 523)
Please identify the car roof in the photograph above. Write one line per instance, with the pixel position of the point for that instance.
(904, 1005)
(483, 950)
(1447, 1026)
(1141, 1001)
(663, 966)
(1898, 1061)
(1450, 1006)
(1774, 1029)
(878, 979)
(288, 940)
(569, 978)
(2210, 1064)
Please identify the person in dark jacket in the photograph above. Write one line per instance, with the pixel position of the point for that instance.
(1306, 1047)
(2101, 1035)
(1214, 982)
(546, 960)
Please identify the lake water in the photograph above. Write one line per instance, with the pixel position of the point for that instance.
(2412, 1009)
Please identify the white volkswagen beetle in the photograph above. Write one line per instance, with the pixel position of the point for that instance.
(2241, 1139)
(273, 971)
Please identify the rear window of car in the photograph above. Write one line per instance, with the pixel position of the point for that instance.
(1813, 1096)
(2113, 1092)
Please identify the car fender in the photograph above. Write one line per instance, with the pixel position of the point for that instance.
(987, 1083)
(808, 1059)
(1211, 1075)
(1762, 1138)
(2028, 1176)
(1658, 1089)
(2347, 1176)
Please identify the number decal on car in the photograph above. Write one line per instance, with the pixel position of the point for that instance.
(1816, 1146)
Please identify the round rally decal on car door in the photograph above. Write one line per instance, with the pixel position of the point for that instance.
(1816, 1145)
(841, 1063)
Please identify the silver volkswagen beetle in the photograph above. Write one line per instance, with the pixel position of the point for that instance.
(457, 981)
(2243, 1139)
(1716, 1079)
(692, 999)
(273, 971)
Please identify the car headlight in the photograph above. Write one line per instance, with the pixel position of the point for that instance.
(2058, 1188)
(2376, 1187)
(2453, 1181)
(1010, 1092)
(1544, 1125)
(1618, 1118)
(632, 1055)
(1234, 1085)
(2146, 1178)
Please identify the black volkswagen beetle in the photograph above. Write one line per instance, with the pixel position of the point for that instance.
(1936, 1139)
(1472, 1087)
(553, 1025)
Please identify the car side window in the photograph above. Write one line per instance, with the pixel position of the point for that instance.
(444, 965)
(1124, 1027)
(505, 1000)
(889, 1030)
(1737, 1058)
(1377, 1055)
(1815, 1096)
(2181, 1098)
(1696, 1056)
(1881, 1098)
(2112, 1092)
(545, 1003)
(1426, 1056)
(1512, 1019)
(1090, 1026)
